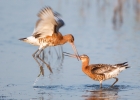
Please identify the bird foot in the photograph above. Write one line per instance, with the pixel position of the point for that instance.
(111, 86)
(41, 71)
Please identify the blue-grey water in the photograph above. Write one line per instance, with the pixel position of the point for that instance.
(108, 31)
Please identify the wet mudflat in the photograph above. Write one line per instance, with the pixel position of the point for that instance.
(107, 31)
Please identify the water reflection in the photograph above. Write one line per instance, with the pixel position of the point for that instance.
(54, 57)
(118, 14)
(89, 92)
(104, 94)
(137, 10)
(115, 12)
(42, 97)
(137, 14)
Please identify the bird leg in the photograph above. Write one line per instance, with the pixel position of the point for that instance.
(44, 61)
(114, 82)
(41, 71)
(100, 84)
(41, 68)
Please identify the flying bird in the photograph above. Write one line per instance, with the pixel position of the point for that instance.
(46, 33)
(100, 72)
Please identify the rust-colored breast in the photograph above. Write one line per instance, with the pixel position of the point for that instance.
(56, 38)
(53, 40)
(96, 77)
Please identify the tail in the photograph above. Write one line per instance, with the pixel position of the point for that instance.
(31, 40)
(123, 66)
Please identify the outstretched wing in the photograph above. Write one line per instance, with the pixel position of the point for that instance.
(47, 23)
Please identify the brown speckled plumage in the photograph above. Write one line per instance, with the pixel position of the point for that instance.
(100, 72)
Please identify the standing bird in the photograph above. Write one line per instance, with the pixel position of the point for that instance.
(100, 72)
(46, 33)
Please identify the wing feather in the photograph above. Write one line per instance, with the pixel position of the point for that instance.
(47, 23)
(101, 68)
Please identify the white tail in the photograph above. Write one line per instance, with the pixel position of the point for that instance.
(31, 40)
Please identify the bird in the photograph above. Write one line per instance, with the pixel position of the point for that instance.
(46, 33)
(100, 72)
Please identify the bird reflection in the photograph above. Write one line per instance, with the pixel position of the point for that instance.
(118, 14)
(41, 68)
(137, 10)
(58, 58)
(103, 94)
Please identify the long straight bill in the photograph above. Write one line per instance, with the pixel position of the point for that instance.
(75, 51)
(70, 55)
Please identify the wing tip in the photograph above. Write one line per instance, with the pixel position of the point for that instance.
(44, 10)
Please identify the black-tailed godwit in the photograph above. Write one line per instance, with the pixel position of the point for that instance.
(100, 72)
(46, 33)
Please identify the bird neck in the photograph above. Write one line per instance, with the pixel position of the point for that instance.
(86, 68)
(85, 64)
(64, 40)
(56, 38)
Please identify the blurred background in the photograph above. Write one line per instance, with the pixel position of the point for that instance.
(108, 31)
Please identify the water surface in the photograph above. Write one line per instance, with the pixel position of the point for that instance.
(107, 31)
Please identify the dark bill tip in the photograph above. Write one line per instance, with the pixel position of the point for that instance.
(22, 39)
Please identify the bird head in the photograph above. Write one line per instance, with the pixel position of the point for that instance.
(70, 38)
(84, 57)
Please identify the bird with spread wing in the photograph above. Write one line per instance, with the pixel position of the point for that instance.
(46, 33)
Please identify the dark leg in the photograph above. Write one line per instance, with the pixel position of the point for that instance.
(41, 68)
(115, 81)
(44, 61)
(35, 57)
(41, 71)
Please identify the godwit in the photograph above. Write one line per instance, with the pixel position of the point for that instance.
(100, 72)
(46, 33)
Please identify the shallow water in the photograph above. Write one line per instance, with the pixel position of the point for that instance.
(104, 32)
